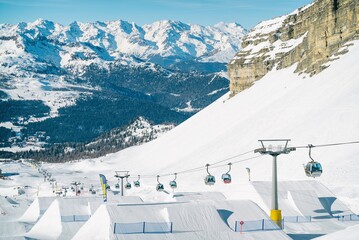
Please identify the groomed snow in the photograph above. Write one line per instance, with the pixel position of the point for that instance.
(191, 220)
(49, 226)
(351, 233)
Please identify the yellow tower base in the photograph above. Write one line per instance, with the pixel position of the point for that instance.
(276, 216)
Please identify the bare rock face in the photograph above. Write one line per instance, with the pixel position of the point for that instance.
(310, 37)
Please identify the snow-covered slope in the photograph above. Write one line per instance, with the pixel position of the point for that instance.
(317, 110)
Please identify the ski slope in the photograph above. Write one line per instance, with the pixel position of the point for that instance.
(309, 110)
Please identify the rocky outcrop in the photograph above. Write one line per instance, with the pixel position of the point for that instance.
(310, 37)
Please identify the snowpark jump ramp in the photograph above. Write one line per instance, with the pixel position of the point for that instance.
(310, 201)
(202, 219)
(305, 198)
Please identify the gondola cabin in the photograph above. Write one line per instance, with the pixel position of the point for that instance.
(210, 180)
(160, 187)
(117, 185)
(173, 184)
(128, 185)
(313, 169)
(137, 183)
(226, 178)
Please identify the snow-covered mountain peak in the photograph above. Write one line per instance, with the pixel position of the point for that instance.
(229, 27)
(113, 39)
(41, 27)
(168, 25)
(41, 23)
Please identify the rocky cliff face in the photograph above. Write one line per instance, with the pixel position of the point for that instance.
(310, 37)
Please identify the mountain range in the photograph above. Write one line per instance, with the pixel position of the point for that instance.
(79, 81)
(82, 44)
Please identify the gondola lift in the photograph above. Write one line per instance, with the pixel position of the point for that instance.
(128, 184)
(210, 179)
(173, 183)
(159, 186)
(226, 177)
(313, 169)
(117, 185)
(137, 182)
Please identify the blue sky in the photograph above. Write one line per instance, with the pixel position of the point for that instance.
(205, 12)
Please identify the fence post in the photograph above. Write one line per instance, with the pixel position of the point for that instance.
(114, 228)
(171, 227)
(241, 223)
(235, 226)
(144, 224)
(297, 218)
(262, 224)
(350, 217)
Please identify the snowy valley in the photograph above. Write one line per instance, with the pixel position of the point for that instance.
(53, 75)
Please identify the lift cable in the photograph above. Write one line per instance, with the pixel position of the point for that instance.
(201, 168)
(329, 144)
(241, 160)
